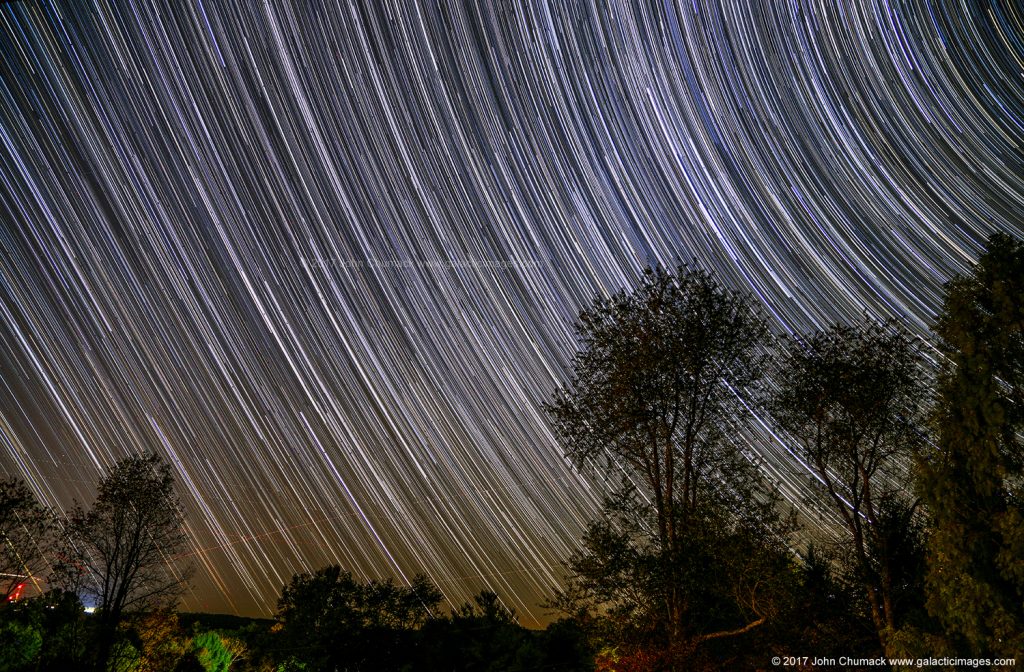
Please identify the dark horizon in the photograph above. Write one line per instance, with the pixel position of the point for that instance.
(327, 264)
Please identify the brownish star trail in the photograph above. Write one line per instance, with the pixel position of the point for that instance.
(326, 259)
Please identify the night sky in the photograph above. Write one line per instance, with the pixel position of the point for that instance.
(327, 261)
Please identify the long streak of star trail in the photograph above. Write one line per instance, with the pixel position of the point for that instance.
(326, 260)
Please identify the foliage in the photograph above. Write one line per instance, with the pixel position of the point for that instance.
(822, 615)
(25, 530)
(328, 621)
(160, 640)
(972, 479)
(735, 578)
(145, 642)
(485, 636)
(565, 647)
(189, 663)
(654, 388)
(329, 618)
(212, 652)
(691, 547)
(117, 553)
(124, 656)
(256, 646)
(20, 644)
(486, 608)
(57, 618)
(292, 665)
(853, 398)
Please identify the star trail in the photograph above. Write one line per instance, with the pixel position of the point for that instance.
(326, 259)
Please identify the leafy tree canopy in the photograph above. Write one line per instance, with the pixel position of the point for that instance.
(690, 548)
(853, 399)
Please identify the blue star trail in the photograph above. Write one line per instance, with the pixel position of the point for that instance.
(326, 259)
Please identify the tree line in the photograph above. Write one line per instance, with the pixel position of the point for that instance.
(116, 575)
(912, 448)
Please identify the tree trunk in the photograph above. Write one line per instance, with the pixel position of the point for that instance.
(104, 646)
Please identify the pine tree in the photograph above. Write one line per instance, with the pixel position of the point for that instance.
(972, 481)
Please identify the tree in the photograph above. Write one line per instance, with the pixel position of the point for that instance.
(487, 607)
(161, 643)
(53, 623)
(482, 635)
(25, 529)
(822, 615)
(119, 554)
(212, 652)
(854, 401)
(655, 396)
(60, 618)
(485, 636)
(972, 480)
(333, 621)
(565, 646)
(20, 643)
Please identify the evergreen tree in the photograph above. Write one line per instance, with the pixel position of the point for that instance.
(972, 482)
(213, 655)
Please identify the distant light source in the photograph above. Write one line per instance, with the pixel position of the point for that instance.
(90, 610)
(15, 594)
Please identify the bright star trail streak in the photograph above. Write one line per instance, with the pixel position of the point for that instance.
(326, 260)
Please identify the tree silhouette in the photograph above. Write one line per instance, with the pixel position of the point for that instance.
(119, 554)
(854, 401)
(25, 530)
(332, 621)
(972, 481)
(691, 540)
(485, 636)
